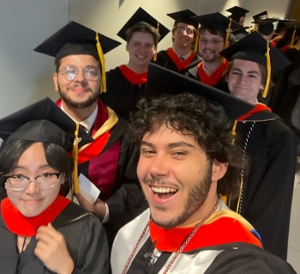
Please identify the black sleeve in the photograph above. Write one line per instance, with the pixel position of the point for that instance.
(248, 259)
(93, 253)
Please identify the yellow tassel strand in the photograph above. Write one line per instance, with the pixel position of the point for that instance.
(102, 61)
(75, 160)
(197, 39)
(227, 38)
(293, 38)
(233, 130)
(155, 54)
(268, 60)
(240, 195)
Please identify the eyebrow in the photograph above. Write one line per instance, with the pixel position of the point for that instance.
(22, 167)
(170, 145)
(251, 71)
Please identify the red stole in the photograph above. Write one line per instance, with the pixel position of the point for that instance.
(258, 108)
(132, 77)
(181, 65)
(27, 226)
(102, 168)
(215, 77)
(224, 230)
(285, 48)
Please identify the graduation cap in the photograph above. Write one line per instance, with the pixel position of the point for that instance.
(44, 122)
(143, 17)
(161, 80)
(237, 13)
(255, 48)
(75, 39)
(184, 16)
(261, 15)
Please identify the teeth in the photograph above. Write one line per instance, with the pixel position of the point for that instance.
(164, 189)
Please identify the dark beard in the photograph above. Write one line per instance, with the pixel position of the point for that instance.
(196, 198)
(90, 101)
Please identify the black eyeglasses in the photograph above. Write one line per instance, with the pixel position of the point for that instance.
(70, 72)
(20, 182)
(188, 31)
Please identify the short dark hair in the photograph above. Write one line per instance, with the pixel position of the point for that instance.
(193, 115)
(213, 31)
(55, 155)
(146, 28)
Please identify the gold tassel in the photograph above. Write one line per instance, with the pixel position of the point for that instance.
(240, 194)
(75, 160)
(293, 38)
(233, 130)
(227, 38)
(197, 39)
(268, 60)
(102, 61)
(155, 54)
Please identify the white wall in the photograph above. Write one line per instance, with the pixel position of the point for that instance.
(108, 16)
(26, 76)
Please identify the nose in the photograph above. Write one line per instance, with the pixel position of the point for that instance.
(159, 167)
(32, 188)
(80, 77)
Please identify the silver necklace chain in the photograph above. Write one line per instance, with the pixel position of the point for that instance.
(180, 249)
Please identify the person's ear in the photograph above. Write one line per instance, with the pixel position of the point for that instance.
(55, 81)
(218, 170)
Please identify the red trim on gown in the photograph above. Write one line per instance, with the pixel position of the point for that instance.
(213, 78)
(132, 77)
(181, 65)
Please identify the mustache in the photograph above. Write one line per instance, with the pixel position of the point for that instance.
(164, 182)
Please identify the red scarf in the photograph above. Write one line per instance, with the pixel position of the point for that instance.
(132, 77)
(215, 77)
(27, 226)
(93, 149)
(258, 108)
(181, 65)
(224, 230)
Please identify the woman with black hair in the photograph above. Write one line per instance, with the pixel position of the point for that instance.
(40, 230)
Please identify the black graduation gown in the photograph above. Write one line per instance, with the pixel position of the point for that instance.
(121, 95)
(284, 95)
(84, 236)
(268, 187)
(164, 60)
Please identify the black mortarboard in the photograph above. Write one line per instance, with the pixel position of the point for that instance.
(184, 16)
(75, 39)
(161, 80)
(238, 11)
(292, 24)
(255, 48)
(143, 17)
(261, 15)
(217, 21)
(43, 122)
(265, 26)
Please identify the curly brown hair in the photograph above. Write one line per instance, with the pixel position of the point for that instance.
(193, 115)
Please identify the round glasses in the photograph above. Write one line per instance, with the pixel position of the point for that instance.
(188, 31)
(20, 182)
(70, 72)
